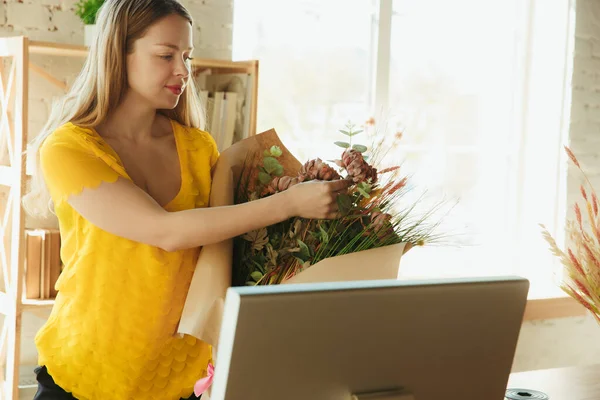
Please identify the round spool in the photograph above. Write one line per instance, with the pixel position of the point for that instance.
(525, 394)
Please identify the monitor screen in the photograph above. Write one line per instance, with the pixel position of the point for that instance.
(451, 339)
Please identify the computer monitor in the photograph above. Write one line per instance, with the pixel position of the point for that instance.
(410, 340)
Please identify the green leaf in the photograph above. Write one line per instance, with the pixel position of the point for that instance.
(363, 192)
(270, 164)
(345, 132)
(359, 147)
(256, 275)
(264, 178)
(324, 235)
(366, 187)
(344, 203)
(343, 145)
(276, 151)
(278, 171)
(266, 153)
(304, 253)
(355, 133)
(250, 283)
(87, 10)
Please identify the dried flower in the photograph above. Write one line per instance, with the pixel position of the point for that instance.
(583, 193)
(317, 169)
(282, 183)
(572, 157)
(356, 166)
(381, 224)
(581, 262)
(258, 238)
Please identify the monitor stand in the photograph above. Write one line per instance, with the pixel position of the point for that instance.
(383, 395)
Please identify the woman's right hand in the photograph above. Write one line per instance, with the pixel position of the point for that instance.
(314, 199)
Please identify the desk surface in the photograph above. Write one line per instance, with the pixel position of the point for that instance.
(574, 383)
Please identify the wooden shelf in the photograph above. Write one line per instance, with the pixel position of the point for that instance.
(37, 303)
(558, 307)
(70, 50)
(57, 49)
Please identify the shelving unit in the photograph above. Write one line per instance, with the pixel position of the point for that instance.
(15, 66)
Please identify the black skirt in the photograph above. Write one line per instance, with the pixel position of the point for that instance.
(48, 390)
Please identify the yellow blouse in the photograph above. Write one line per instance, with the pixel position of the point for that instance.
(112, 331)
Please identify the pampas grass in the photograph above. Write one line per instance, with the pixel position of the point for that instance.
(581, 259)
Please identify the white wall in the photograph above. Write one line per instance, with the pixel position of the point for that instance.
(542, 344)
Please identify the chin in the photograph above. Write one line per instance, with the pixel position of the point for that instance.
(167, 105)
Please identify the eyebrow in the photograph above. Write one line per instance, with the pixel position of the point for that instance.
(172, 46)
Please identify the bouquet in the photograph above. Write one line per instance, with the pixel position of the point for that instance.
(374, 230)
(371, 215)
(367, 242)
(581, 261)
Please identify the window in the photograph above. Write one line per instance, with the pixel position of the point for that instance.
(314, 67)
(470, 86)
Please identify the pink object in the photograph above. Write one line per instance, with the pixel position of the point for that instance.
(203, 384)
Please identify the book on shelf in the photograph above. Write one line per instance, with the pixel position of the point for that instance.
(237, 93)
(42, 263)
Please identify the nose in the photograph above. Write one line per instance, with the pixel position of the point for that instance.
(183, 69)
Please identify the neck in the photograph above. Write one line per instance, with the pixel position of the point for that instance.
(132, 120)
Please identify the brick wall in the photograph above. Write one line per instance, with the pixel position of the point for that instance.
(584, 136)
(54, 20)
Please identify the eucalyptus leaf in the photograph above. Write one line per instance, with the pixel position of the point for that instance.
(256, 275)
(276, 151)
(278, 171)
(359, 147)
(264, 178)
(343, 145)
(354, 133)
(345, 132)
(270, 164)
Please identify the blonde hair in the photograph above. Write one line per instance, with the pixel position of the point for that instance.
(101, 84)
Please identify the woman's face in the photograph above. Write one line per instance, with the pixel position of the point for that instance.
(158, 69)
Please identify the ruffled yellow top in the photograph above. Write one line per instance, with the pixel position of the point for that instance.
(112, 331)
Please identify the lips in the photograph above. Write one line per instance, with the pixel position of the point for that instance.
(176, 89)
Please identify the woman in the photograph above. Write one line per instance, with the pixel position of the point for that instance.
(128, 172)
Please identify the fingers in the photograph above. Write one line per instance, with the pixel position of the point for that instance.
(333, 215)
(333, 211)
(338, 185)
